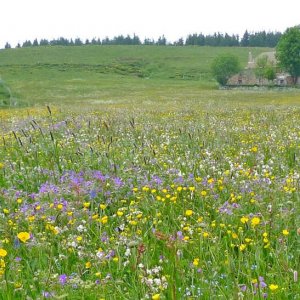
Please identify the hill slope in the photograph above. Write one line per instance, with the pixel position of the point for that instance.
(51, 74)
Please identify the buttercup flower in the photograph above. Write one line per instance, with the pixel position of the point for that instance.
(23, 236)
(3, 252)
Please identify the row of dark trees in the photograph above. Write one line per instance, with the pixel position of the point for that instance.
(256, 39)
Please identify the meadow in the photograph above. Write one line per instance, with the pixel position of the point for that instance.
(145, 184)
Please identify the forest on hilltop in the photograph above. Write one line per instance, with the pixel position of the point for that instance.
(255, 39)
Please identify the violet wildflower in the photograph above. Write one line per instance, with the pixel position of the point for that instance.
(243, 287)
(63, 279)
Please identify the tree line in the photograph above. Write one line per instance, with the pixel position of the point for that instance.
(254, 39)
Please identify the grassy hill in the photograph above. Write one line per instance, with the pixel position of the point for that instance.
(98, 73)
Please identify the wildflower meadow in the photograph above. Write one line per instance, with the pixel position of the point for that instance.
(198, 200)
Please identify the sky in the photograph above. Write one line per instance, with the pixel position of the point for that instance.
(29, 19)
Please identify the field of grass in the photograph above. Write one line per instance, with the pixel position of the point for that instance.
(89, 73)
(149, 188)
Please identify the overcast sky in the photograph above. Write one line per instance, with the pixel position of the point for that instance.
(29, 19)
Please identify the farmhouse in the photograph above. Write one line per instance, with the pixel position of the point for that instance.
(247, 76)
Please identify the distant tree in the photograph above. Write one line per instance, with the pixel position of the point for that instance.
(7, 46)
(224, 66)
(162, 41)
(95, 42)
(27, 43)
(78, 42)
(180, 42)
(44, 42)
(148, 41)
(245, 39)
(18, 45)
(270, 72)
(288, 51)
(35, 43)
(136, 40)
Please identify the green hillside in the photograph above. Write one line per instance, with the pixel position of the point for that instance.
(91, 73)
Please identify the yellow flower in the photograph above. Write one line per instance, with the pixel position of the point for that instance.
(156, 297)
(254, 149)
(2, 264)
(203, 193)
(1, 165)
(88, 265)
(285, 232)
(234, 235)
(120, 213)
(23, 236)
(188, 212)
(133, 222)
(86, 204)
(273, 287)
(3, 252)
(255, 221)
(244, 220)
(104, 219)
(196, 262)
(243, 247)
(60, 206)
(102, 206)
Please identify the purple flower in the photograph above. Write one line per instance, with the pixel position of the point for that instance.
(179, 235)
(46, 294)
(63, 279)
(93, 194)
(262, 283)
(243, 287)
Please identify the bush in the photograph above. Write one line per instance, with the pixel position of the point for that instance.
(224, 66)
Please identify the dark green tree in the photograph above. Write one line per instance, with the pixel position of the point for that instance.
(246, 39)
(224, 66)
(288, 52)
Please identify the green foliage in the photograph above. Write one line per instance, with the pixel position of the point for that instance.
(264, 69)
(270, 73)
(288, 51)
(224, 66)
(261, 64)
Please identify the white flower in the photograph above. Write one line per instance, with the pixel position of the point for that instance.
(127, 252)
